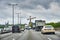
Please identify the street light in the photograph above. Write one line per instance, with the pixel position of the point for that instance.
(13, 11)
(30, 18)
(18, 17)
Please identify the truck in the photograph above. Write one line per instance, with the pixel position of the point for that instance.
(39, 24)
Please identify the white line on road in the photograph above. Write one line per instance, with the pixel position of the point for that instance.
(13, 39)
(49, 39)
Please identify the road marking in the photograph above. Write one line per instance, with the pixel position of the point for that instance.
(49, 39)
(13, 39)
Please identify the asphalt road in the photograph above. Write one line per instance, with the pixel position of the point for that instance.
(31, 35)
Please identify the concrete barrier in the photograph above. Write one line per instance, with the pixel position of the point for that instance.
(5, 35)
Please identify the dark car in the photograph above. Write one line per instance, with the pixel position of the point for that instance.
(15, 29)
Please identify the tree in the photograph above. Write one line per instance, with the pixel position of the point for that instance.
(30, 24)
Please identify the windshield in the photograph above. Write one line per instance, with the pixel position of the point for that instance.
(29, 19)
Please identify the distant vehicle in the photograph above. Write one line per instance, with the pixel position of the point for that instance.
(16, 29)
(48, 29)
(37, 29)
(39, 24)
(10, 28)
(1, 30)
(22, 29)
(6, 29)
(28, 28)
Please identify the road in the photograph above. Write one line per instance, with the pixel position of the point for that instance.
(31, 35)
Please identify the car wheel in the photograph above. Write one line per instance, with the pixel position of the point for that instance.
(42, 33)
(53, 32)
(12, 32)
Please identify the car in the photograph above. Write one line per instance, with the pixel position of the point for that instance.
(28, 28)
(6, 30)
(36, 29)
(10, 28)
(22, 29)
(1, 30)
(16, 29)
(48, 29)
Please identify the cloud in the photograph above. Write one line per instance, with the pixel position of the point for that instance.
(51, 14)
(48, 10)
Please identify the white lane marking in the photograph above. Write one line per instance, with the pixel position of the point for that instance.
(49, 39)
(13, 39)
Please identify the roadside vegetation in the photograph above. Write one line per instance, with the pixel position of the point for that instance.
(2, 26)
(55, 25)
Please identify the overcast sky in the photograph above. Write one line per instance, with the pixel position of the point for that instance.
(48, 10)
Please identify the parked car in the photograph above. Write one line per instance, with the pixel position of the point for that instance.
(22, 29)
(48, 29)
(16, 29)
(1, 30)
(6, 30)
(10, 28)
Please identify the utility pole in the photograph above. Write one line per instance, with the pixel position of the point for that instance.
(30, 18)
(13, 11)
(18, 17)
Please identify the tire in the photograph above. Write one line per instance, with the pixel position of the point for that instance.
(42, 33)
(12, 32)
(53, 32)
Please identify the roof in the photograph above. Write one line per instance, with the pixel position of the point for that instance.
(39, 20)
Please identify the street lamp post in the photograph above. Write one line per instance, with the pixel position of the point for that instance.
(18, 17)
(30, 18)
(12, 12)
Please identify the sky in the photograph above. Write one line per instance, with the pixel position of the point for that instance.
(48, 10)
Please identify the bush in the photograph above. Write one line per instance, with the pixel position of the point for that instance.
(56, 25)
(2, 26)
